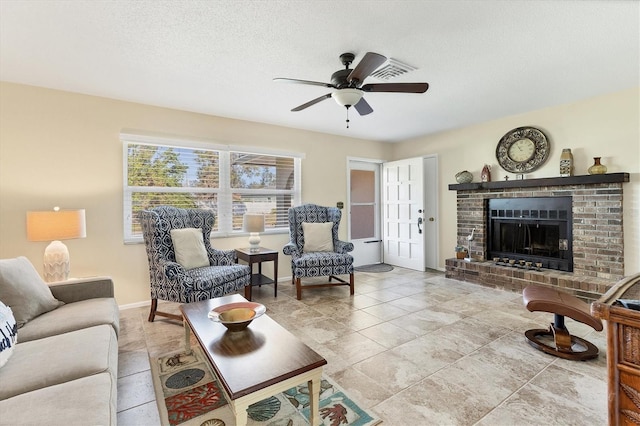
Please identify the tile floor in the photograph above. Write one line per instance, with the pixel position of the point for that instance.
(414, 348)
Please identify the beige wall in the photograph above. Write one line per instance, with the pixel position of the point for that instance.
(60, 148)
(605, 126)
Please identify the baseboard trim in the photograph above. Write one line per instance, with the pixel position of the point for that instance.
(134, 305)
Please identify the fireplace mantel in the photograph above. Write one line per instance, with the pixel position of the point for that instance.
(554, 181)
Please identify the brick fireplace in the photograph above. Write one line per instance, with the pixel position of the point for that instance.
(597, 240)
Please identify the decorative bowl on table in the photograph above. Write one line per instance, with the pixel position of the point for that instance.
(237, 316)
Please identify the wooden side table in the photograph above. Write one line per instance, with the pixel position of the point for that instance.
(262, 255)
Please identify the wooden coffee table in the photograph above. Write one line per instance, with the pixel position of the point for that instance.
(254, 364)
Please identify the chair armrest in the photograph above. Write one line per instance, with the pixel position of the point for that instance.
(77, 289)
(290, 249)
(222, 257)
(342, 246)
(172, 270)
(175, 274)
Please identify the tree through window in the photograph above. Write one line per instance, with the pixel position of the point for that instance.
(231, 183)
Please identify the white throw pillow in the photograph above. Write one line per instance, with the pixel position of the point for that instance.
(317, 236)
(8, 333)
(188, 244)
(22, 289)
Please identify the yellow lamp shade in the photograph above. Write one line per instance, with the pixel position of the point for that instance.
(56, 225)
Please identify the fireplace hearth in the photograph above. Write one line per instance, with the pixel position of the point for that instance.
(535, 229)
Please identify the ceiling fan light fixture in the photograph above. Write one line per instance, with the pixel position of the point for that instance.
(347, 97)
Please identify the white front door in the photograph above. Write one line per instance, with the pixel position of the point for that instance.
(403, 217)
(364, 212)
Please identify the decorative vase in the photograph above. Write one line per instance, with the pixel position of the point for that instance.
(464, 177)
(566, 163)
(486, 173)
(597, 168)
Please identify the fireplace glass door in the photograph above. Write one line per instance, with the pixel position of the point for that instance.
(537, 230)
(528, 238)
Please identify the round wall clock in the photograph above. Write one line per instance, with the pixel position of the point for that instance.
(522, 150)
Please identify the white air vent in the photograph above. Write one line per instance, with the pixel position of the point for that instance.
(392, 69)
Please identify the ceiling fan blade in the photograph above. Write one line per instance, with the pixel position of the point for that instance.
(396, 87)
(367, 65)
(363, 107)
(312, 102)
(296, 81)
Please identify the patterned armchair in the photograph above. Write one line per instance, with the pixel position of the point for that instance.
(318, 263)
(169, 280)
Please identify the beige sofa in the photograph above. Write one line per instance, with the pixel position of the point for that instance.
(63, 369)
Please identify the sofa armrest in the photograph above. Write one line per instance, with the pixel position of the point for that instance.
(77, 289)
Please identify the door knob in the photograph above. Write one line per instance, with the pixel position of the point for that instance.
(419, 223)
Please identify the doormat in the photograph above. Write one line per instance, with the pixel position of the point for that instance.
(375, 267)
(188, 393)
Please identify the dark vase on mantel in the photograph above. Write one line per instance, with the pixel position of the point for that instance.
(597, 168)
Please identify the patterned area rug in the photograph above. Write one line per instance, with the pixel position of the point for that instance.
(376, 267)
(188, 393)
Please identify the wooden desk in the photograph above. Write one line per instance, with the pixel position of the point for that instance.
(253, 364)
(623, 350)
(262, 255)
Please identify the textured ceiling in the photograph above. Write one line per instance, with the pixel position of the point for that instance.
(483, 59)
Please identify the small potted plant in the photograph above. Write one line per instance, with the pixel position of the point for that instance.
(461, 252)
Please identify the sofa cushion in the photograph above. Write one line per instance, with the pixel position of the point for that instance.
(317, 236)
(73, 316)
(58, 359)
(8, 333)
(23, 290)
(87, 401)
(188, 244)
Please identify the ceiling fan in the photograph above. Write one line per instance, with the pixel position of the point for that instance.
(348, 84)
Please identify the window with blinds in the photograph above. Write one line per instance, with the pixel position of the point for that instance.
(228, 181)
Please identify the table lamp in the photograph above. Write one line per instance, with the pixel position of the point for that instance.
(55, 225)
(254, 224)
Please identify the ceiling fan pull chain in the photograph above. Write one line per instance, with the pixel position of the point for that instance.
(347, 107)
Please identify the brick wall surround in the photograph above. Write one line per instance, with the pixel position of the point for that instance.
(598, 249)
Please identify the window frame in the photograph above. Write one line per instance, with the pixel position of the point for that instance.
(224, 191)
